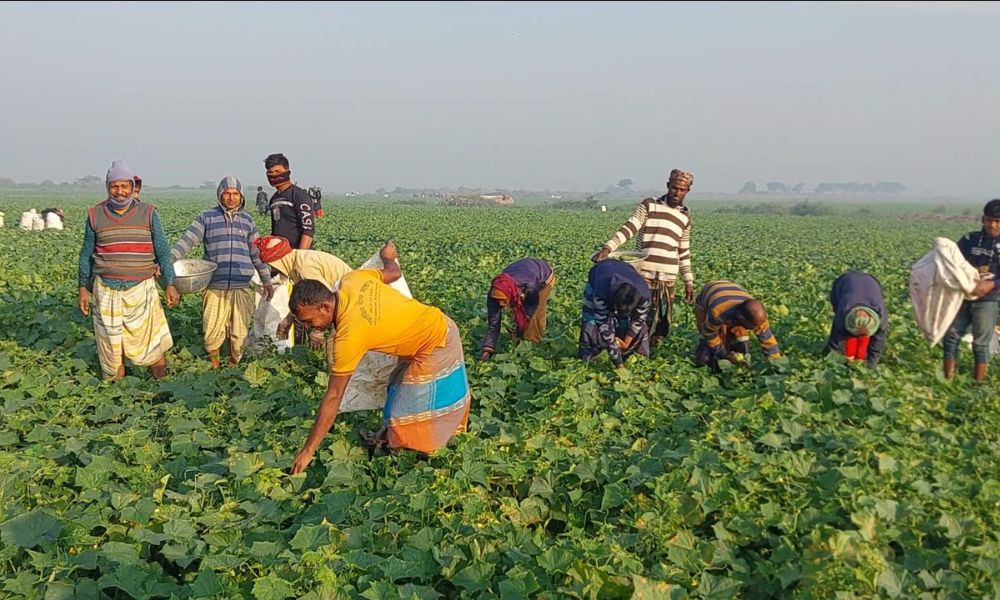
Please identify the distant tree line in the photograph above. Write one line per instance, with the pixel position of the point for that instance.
(777, 187)
(85, 183)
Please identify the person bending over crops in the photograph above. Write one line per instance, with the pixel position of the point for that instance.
(860, 321)
(297, 265)
(524, 286)
(428, 394)
(616, 302)
(664, 228)
(262, 201)
(725, 314)
(982, 250)
(123, 245)
(228, 233)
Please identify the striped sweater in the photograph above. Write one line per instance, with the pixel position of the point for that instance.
(229, 244)
(720, 301)
(603, 281)
(161, 251)
(666, 233)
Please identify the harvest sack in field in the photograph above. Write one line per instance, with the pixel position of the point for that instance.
(27, 218)
(268, 314)
(53, 220)
(939, 282)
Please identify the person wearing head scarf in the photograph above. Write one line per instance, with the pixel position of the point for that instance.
(228, 234)
(663, 226)
(123, 248)
(860, 322)
(524, 287)
(296, 265)
(725, 314)
(616, 302)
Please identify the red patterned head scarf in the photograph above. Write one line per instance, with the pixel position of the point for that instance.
(503, 287)
(272, 247)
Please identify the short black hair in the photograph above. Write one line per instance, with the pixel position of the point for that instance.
(626, 298)
(275, 159)
(992, 209)
(309, 292)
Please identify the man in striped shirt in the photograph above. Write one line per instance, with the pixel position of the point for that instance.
(228, 234)
(664, 228)
(725, 313)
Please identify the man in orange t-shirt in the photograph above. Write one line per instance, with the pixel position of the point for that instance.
(428, 395)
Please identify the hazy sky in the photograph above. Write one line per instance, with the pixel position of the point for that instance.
(520, 95)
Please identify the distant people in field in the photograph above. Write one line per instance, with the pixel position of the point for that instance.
(616, 304)
(316, 193)
(297, 265)
(860, 321)
(664, 228)
(524, 287)
(982, 250)
(262, 201)
(428, 395)
(725, 314)
(123, 245)
(228, 234)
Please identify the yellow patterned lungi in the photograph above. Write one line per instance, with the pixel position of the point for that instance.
(227, 315)
(129, 324)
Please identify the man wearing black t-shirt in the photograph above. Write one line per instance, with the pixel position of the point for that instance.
(291, 206)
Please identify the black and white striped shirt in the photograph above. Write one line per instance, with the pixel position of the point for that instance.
(666, 233)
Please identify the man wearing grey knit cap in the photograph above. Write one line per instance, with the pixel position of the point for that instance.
(123, 247)
(663, 226)
(228, 233)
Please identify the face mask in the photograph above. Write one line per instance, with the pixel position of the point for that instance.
(121, 203)
(281, 178)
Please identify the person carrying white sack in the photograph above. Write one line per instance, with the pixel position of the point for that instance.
(982, 250)
(943, 284)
